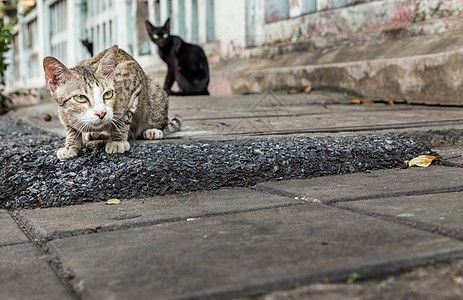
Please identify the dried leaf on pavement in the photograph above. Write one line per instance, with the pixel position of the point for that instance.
(367, 101)
(95, 228)
(293, 91)
(422, 160)
(308, 89)
(113, 201)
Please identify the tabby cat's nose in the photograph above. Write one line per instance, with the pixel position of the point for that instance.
(101, 115)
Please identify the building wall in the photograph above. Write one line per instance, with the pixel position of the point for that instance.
(227, 30)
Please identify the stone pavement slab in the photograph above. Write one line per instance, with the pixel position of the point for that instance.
(75, 220)
(441, 213)
(319, 113)
(24, 274)
(10, 233)
(454, 155)
(377, 184)
(244, 254)
(438, 281)
(315, 120)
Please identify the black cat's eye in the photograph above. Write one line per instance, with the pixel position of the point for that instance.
(165, 35)
(155, 36)
(80, 98)
(108, 95)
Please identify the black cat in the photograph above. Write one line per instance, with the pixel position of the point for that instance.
(89, 45)
(186, 63)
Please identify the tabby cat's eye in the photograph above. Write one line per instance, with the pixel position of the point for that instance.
(108, 95)
(155, 36)
(165, 35)
(80, 98)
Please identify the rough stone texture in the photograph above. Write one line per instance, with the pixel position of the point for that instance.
(426, 283)
(434, 212)
(24, 274)
(367, 186)
(390, 19)
(408, 50)
(54, 223)
(10, 233)
(32, 176)
(439, 138)
(452, 156)
(320, 113)
(430, 79)
(243, 254)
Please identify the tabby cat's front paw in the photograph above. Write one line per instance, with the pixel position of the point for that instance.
(153, 134)
(95, 136)
(67, 152)
(117, 147)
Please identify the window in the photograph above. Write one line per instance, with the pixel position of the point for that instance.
(276, 10)
(308, 6)
(194, 21)
(32, 49)
(16, 57)
(157, 13)
(101, 26)
(251, 23)
(58, 30)
(181, 18)
(210, 21)
(341, 3)
(143, 41)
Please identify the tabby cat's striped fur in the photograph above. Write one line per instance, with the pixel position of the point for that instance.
(108, 95)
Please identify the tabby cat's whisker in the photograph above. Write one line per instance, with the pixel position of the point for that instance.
(80, 126)
(123, 101)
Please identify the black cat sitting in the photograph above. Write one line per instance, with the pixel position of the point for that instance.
(89, 45)
(186, 63)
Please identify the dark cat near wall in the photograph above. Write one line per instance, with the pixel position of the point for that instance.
(89, 45)
(186, 63)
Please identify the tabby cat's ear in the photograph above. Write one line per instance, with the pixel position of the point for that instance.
(149, 27)
(167, 25)
(56, 73)
(108, 62)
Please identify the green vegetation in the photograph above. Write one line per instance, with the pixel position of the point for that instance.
(352, 278)
(5, 44)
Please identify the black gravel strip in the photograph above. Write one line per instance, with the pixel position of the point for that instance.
(32, 176)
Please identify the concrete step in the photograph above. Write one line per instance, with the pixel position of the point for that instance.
(424, 69)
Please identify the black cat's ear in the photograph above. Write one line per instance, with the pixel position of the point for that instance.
(149, 27)
(167, 25)
(108, 62)
(56, 74)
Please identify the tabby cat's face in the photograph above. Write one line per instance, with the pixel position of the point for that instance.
(88, 100)
(86, 96)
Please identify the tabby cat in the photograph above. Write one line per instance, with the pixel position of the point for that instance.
(108, 96)
(186, 63)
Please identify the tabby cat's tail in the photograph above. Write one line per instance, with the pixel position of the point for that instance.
(174, 125)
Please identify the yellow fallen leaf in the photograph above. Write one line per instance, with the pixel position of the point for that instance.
(293, 91)
(113, 201)
(95, 228)
(356, 100)
(368, 101)
(308, 89)
(422, 160)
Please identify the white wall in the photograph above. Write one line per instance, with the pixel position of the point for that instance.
(230, 21)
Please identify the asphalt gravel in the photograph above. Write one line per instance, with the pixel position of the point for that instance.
(32, 176)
